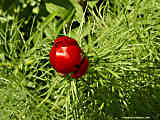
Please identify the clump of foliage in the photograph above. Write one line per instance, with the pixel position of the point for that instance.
(121, 40)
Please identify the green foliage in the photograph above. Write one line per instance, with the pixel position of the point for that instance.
(40, 10)
(121, 40)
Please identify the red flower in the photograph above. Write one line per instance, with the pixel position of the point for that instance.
(67, 57)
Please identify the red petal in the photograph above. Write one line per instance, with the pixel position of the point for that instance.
(83, 69)
(64, 41)
(52, 57)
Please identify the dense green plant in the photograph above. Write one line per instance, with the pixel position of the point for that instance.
(39, 11)
(121, 40)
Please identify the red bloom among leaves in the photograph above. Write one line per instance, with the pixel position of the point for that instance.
(67, 57)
